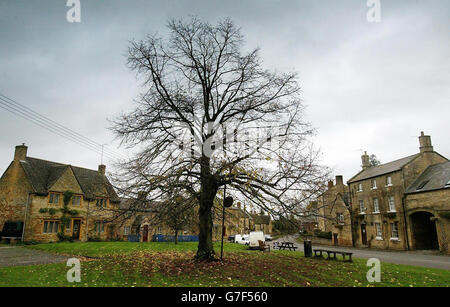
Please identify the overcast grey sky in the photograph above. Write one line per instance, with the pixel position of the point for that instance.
(367, 86)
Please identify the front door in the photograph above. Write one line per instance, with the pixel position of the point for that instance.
(363, 234)
(145, 234)
(76, 229)
(335, 238)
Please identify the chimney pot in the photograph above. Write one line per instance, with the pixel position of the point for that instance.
(102, 169)
(21, 152)
(365, 160)
(425, 143)
(339, 180)
(330, 184)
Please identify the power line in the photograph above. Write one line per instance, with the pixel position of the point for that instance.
(44, 118)
(50, 125)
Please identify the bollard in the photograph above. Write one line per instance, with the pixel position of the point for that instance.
(307, 247)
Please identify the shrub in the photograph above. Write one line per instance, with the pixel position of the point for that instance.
(63, 238)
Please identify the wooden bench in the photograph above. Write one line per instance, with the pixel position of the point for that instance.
(288, 245)
(263, 246)
(331, 254)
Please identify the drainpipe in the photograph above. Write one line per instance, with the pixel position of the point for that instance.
(404, 211)
(406, 221)
(25, 217)
(87, 222)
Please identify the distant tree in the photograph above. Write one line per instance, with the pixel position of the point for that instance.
(373, 161)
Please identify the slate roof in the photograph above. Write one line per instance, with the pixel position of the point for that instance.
(382, 169)
(43, 174)
(435, 177)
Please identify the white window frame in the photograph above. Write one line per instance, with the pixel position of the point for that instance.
(379, 231)
(126, 230)
(394, 229)
(388, 181)
(372, 185)
(376, 208)
(362, 209)
(340, 218)
(360, 187)
(391, 202)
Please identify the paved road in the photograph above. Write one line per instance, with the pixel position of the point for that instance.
(17, 255)
(406, 257)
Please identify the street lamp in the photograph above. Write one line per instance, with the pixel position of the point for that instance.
(227, 202)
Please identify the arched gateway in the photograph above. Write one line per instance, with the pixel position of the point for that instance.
(424, 231)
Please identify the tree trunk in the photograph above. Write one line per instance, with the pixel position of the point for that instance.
(205, 250)
(176, 236)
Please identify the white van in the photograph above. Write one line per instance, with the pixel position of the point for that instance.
(254, 237)
(241, 239)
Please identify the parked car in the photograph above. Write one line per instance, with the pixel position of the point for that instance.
(237, 238)
(268, 238)
(231, 239)
(245, 239)
(254, 238)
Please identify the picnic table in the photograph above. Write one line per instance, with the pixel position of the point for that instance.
(287, 245)
(331, 254)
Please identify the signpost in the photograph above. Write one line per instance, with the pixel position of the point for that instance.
(227, 202)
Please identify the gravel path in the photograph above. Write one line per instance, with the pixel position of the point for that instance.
(17, 255)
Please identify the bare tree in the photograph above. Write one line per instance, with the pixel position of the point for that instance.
(210, 115)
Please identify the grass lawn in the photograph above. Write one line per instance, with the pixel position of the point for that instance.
(167, 264)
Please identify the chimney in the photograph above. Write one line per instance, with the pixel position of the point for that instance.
(365, 160)
(330, 184)
(102, 169)
(425, 143)
(339, 180)
(21, 152)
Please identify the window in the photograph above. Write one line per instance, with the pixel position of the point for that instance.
(374, 184)
(340, 217)
(99, 227)
(68, 226)
(360, 188)
(159, 230)
(53, 198)
(126, 230)
(388, 181)
(76, 200)
(391, 204)
(379, 230)
(361, 206)
(101, 203)
(394, 230)
(50, 227)
(376, 206)
(422, 184)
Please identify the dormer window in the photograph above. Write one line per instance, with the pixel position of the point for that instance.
(374, 184)
(422, 185)
(101, 203)
(76, 200)
(388, 181)
(53, 198)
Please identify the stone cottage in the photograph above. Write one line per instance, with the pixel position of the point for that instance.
(32, 192)
(378, 199)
